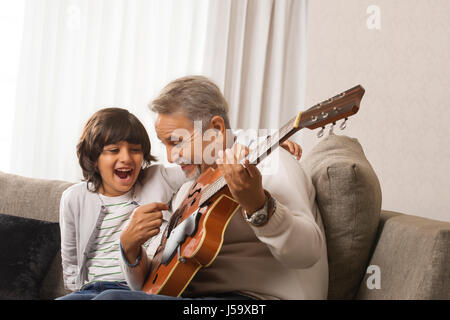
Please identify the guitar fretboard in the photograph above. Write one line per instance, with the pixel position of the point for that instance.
(265, 147)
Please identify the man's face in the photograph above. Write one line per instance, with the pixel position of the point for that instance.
(186, 143)
(183, 142)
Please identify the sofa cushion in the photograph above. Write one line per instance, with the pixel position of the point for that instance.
(348, 195)
(27, 249)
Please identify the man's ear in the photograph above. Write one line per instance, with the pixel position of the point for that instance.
(218, 124)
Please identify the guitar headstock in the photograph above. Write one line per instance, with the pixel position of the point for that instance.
(341, 106)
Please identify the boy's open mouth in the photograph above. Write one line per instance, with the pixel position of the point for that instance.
(123, 173)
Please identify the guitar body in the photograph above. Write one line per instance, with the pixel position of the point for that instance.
(199, 249)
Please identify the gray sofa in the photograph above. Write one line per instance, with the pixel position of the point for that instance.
(373, 254)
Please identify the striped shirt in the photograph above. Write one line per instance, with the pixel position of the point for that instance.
(103, 257)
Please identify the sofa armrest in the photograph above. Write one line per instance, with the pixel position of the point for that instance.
(413, 257)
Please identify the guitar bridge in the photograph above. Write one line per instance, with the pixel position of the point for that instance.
(181, 259)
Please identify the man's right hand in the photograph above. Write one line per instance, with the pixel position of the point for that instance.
(144, 224)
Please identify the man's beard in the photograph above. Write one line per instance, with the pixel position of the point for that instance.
(192, 174)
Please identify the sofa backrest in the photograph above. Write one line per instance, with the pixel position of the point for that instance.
(348, 195)
(31, 198)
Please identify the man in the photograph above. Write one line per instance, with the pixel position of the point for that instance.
(274, 246)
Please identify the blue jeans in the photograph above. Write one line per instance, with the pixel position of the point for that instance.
(105, 290)
(91, 290)
(115, 294)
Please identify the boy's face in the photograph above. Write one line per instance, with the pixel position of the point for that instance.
(119, 165)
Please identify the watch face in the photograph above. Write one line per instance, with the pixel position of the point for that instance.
(259, 218)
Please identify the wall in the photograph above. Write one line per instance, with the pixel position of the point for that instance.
(400, 52)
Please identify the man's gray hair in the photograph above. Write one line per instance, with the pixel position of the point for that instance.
(197, 97)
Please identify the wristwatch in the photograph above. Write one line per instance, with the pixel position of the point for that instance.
(261, 216)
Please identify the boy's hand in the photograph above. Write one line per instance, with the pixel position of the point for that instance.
(293, 148)
(144, 224)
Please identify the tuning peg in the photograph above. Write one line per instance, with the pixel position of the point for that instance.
(331, 128)
(320, 133)
(343, 125)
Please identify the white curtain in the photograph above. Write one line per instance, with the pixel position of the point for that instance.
(257, 54)
(79, 56)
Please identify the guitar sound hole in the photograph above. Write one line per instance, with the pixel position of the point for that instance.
(154, 280)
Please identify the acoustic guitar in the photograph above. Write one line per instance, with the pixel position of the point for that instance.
(195, 233)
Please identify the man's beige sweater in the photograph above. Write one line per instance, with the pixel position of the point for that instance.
(284, 259)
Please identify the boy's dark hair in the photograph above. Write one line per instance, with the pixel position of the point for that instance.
(109, 126)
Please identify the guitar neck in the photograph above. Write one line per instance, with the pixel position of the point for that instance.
(341, 106)
(270, 143)
(256, 155)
